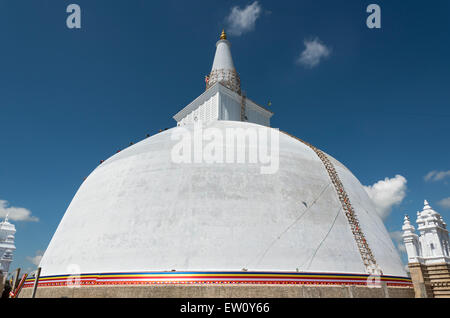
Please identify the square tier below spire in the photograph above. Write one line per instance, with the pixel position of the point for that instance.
(221, 103)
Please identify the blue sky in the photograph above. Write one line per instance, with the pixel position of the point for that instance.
(378, 99)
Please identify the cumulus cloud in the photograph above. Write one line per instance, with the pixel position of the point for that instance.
(243, 20)
(387, 193)
(313, 53)
(436, 175)
(445, 203)
(16, 213)
(35, 260)
(397, 237)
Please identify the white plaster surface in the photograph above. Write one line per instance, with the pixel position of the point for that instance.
(139, 211)
(221, 103)
(222, 58)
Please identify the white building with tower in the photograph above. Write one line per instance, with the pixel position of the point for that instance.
(7, 247)
(428, 253)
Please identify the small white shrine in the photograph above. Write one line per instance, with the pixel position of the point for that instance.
(7, 247)
(428, 253)
(431, 246)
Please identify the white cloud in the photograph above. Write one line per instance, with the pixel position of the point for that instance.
(313, 53)
(387, 193)
(397, 237)
(243, 20)
(437, 175)
(445, 203)
(35, 260)
(15, 213)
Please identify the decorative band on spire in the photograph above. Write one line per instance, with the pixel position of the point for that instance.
(228, 78)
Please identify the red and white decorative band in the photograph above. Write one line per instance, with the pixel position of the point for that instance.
(195, 278)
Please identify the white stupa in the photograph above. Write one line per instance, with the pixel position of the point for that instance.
(143, 217)
(432, 245)
(428, 253)
(7, 247)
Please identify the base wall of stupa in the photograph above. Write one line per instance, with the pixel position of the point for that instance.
(221, 291)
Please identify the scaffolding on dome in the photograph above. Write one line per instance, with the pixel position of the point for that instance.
(228, 78)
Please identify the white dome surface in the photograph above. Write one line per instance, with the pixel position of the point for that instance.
(140, 211)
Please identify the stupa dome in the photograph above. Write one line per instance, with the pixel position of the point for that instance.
(139, 211)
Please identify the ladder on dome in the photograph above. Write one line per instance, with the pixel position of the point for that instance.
(243, 102)
(363, 246)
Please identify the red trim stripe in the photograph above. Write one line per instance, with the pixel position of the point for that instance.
(205, 278)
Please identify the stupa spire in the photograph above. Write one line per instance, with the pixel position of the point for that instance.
(223, 70)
